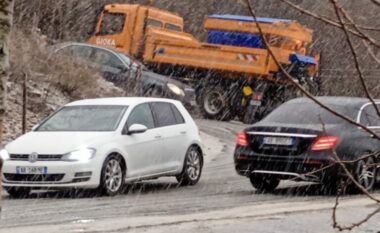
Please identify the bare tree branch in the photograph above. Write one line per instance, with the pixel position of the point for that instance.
(324, 19)
(305, 92)
(354, 25)
(338, 9)
(376, 2)
(353, 225)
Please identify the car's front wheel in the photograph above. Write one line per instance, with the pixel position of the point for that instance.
(112, 176)
(192, 168)
(18, 192)
(264, 183)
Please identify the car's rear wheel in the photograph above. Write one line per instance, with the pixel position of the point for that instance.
(264, 183)
(112, 176)
(192, 168)
(365, 173)
(18, 192)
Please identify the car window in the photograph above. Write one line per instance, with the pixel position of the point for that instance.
(113, 23)
(173, 27)
(178, 116)
(141, 115)
(163, 114)
(369, 116)
(84, 118)
(77, 51)
(106, 58)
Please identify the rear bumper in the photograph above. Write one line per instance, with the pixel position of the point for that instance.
(298, 168)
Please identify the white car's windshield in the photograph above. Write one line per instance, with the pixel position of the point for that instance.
(84, 118)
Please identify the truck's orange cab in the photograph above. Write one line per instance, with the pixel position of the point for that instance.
(124, 26)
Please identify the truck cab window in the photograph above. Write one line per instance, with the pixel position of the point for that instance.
(173, 27)
(153, 22)
(113, 23)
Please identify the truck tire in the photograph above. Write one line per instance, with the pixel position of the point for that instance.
(215, 104)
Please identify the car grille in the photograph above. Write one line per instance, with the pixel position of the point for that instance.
(33, 178)
(300, 146)
(25, 157)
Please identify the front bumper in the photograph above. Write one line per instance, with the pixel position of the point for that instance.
(59, 174)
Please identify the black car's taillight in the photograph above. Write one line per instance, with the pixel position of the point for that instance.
(325, 143)
(242, 139)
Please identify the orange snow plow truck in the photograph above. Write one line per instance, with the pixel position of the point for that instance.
(233, 72)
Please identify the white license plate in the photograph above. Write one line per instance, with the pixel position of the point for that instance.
(255, 102)
(31, 170)
(278, 141)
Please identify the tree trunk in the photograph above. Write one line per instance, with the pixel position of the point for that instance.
(6, 10)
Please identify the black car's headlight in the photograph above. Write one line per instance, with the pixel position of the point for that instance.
(176, 89)
(82, 155)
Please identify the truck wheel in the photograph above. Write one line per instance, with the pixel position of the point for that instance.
(214, 104)
(264, 183)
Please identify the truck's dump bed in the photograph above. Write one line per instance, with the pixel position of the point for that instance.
(234, 45)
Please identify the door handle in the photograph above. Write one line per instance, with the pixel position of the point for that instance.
(183, 132)
(158, 137)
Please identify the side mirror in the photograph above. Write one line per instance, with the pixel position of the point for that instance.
(136, 129)
(35, 127)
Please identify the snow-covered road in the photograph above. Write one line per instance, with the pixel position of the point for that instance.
(221, 202)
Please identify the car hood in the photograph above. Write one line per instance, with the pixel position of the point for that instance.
(152, 77)
(54, 142)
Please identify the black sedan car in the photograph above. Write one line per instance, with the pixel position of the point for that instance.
(299, 139)
(126, 72)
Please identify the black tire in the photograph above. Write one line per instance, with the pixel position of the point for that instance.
(365, 174)
(18, 192)
(215, 104)
(112, 182)
(192, 167)
(264, 183)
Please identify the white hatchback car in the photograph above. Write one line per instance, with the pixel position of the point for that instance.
(104, 143)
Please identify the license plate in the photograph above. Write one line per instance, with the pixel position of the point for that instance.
(255, 102)
(31, 170)
(281, 141)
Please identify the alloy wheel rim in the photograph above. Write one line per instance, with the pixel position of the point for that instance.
(113, 175)
(193, 165)
(366, 173)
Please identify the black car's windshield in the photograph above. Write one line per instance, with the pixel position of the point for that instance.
(307, 113)
(84, 118)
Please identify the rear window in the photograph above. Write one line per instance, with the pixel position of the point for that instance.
(113, 23)
(307, 113)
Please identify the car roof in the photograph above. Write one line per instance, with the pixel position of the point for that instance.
(351, 102)
(122, 101)
(61, 45)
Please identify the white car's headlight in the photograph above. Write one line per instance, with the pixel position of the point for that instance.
(176, 89)
(4, 154)
(82, 155)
